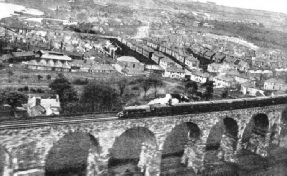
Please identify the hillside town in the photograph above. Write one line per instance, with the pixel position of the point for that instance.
(142, 88)
(169, 47)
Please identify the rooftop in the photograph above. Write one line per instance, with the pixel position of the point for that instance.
(175, 69)
(249, 84)
(23, 54)
(275, 80)
(127, 59)
(56, 56)
(167, 59)
(225, 78)
(153, 67)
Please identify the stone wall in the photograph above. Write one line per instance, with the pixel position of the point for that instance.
(27, 149)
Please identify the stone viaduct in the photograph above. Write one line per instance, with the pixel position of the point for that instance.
(150, 145)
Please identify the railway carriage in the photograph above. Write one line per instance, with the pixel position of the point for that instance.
(202, 106)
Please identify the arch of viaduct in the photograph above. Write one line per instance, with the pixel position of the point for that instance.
(151, 145)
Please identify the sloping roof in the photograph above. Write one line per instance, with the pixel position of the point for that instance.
(209, 54)
(56, 56)
(47, 103)
(275, 80)
(7, 48)
(199, 73)
(58, 64)
(175, 69)
(50, 63)
(191, 58)
(248, 84)
(159, 54)
(23, 54)
(127, 59)
(225, 78)
(167, 59)
(66, 65)
(230, 59)
(42, 62)
(153, 67)
(6, 57)
(32, 62)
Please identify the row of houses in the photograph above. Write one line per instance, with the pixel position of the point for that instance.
(221, 63)
(65, 66)
(202, 55)
(154, 52)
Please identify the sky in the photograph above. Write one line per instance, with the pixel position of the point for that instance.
(7, 9)
(269, 5)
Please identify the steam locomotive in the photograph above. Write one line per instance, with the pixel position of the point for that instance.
(200, 107)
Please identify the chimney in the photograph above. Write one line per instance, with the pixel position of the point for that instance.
(38, 101)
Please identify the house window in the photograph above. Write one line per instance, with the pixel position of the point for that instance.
(134, 65)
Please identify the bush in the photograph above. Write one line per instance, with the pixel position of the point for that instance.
(81, 82)
(32, 90)
(39, 77)
(39, 90)
(26, 88)
(48, 77)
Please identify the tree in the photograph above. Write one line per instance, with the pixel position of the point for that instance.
(100, 95)
(156, 83)
(63, 87)
(13, 98)
(225, 93)
(70, 95)
(39, 77)
(145, 83)
(26, 88)
(208, 94)
(10, 73)
(122, 85)
(48, 77)
(191, 87)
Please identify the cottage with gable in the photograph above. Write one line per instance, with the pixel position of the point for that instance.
(249, 88)
(129, 66)
(191, 62)
(219, 57)
(157, 56)
(43, 105)
(166, 62)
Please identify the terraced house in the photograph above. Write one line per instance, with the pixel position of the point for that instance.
(275, 84)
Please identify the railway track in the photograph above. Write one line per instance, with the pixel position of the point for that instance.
(16, 124)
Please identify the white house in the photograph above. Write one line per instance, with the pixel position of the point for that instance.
(275, 84)
(241, 78)
(217, 68)
(248, 88)
(199, 77)
(174, 72)
(166, 62)
(223, 81)
(191, 62)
